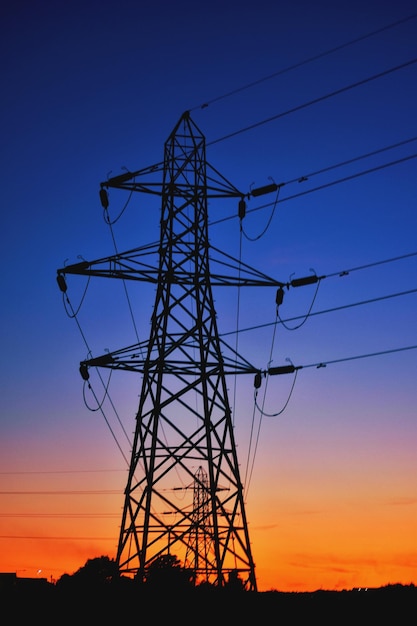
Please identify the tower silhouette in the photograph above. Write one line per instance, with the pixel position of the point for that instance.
(184, 494)
(200, 541)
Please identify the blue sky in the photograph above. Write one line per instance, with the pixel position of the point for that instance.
(91, 88)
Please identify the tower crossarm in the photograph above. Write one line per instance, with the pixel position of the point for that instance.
(139, 264)
(215, 185)
(136, 358)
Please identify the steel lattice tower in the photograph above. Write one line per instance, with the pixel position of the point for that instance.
(184, 433)
(184, 417)
(200, 544)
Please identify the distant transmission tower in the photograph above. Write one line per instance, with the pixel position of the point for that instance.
(200, 551)
(184, 433)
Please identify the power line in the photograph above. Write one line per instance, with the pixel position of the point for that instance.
(324, 311)
(304, 62)
(74, 315)
(61, 472)
(373, 264)
(63, 515)
(95, 492)
(57, 538)
(350, 161)
(359, 356)
(347, 178)
(320, 187)
(315, 101)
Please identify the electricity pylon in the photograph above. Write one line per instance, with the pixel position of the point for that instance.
(200, 543)
(184, 430)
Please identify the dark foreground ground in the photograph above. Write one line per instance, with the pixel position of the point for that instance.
(393, 604)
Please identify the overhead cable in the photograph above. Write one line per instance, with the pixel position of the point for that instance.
(331, 310)
(294, 66)
(320, 187)
(350, 161)
(358, 356)
(74, 315)
(331, 94)
(285, 369)
(373, 264)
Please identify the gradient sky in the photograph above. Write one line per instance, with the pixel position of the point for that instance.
(91, 88)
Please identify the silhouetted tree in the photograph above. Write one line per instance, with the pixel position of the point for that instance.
(96, 572)
(235, 583)
(165, 572)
